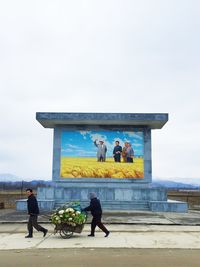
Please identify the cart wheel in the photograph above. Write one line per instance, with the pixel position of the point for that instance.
(65, 234)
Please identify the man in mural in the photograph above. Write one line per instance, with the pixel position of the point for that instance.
(101, 150)
(117, 152)
(129, 154)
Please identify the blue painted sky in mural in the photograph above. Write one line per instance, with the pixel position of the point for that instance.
(81, 143)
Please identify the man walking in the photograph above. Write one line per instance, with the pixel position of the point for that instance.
(96, 211)
(33, 211)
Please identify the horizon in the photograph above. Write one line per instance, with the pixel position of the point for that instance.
(171, 179)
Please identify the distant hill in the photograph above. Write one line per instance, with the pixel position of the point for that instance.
(184, 183)
(8, 177)
(174, 184)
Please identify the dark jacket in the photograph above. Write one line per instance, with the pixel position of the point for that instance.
(95, 207)
(32, 205)
(117, 149)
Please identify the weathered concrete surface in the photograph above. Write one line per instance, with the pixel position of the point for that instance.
(118, 217)
(100, 257)
(153, 120)
(126, 194)
(126, 236)
(129, 230)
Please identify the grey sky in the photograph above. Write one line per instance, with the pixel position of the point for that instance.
(99, 56)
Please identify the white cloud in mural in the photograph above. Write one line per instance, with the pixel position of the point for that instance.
(66, 150)
(84, 134)
(134, 135)
(84, 153)
(98, 137)
(137, 145)
(72, 146)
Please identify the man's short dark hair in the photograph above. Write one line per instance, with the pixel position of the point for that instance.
(29, 189)
(117, 142)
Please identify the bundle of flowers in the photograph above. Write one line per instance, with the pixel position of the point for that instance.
(70, 214)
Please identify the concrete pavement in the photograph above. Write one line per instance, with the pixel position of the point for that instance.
(117, 217)
(122, 236)
(90, 257)
(128, 230)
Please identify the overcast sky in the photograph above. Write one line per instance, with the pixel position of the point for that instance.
(99, 56)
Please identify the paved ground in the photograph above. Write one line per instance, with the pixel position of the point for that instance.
(128, 230)
(137, 239)
(118, 217)
(122, 236)
(100, 257)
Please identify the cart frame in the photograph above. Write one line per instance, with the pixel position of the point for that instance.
(66, 231)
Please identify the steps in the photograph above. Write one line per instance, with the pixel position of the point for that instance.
(115, 205)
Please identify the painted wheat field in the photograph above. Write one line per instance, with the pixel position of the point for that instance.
(72, 167)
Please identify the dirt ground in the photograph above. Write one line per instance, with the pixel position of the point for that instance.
(100, 257)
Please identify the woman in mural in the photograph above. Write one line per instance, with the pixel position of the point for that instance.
(117, 152)
(129, 154)
(124, 152)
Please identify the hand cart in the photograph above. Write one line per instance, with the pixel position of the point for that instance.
(66, 231)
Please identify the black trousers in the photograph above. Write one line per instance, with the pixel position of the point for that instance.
(117, 158)
(96, 221)
(129, 160)
(32, 222)
(101, 158)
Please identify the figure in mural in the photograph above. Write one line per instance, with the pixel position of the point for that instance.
(129, 154)
(96, 211)
(33, 211)
(101, 150)
(117, 152)
(83, 153)
(124, 152)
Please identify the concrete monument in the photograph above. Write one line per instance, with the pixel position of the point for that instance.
(107, 153)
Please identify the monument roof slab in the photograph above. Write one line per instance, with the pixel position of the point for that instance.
(152, 120)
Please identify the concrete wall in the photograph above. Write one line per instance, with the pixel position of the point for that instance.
(105, 194)
(168, 206)
(9, 198)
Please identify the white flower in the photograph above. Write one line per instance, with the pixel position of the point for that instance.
(78, 212)
(61, 211)
(70, 219)
(69, 210)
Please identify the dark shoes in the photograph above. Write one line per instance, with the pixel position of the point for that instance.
(28, 236)
(107, 234)
(45, 232)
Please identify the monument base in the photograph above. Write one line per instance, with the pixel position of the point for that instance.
(112, 198)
